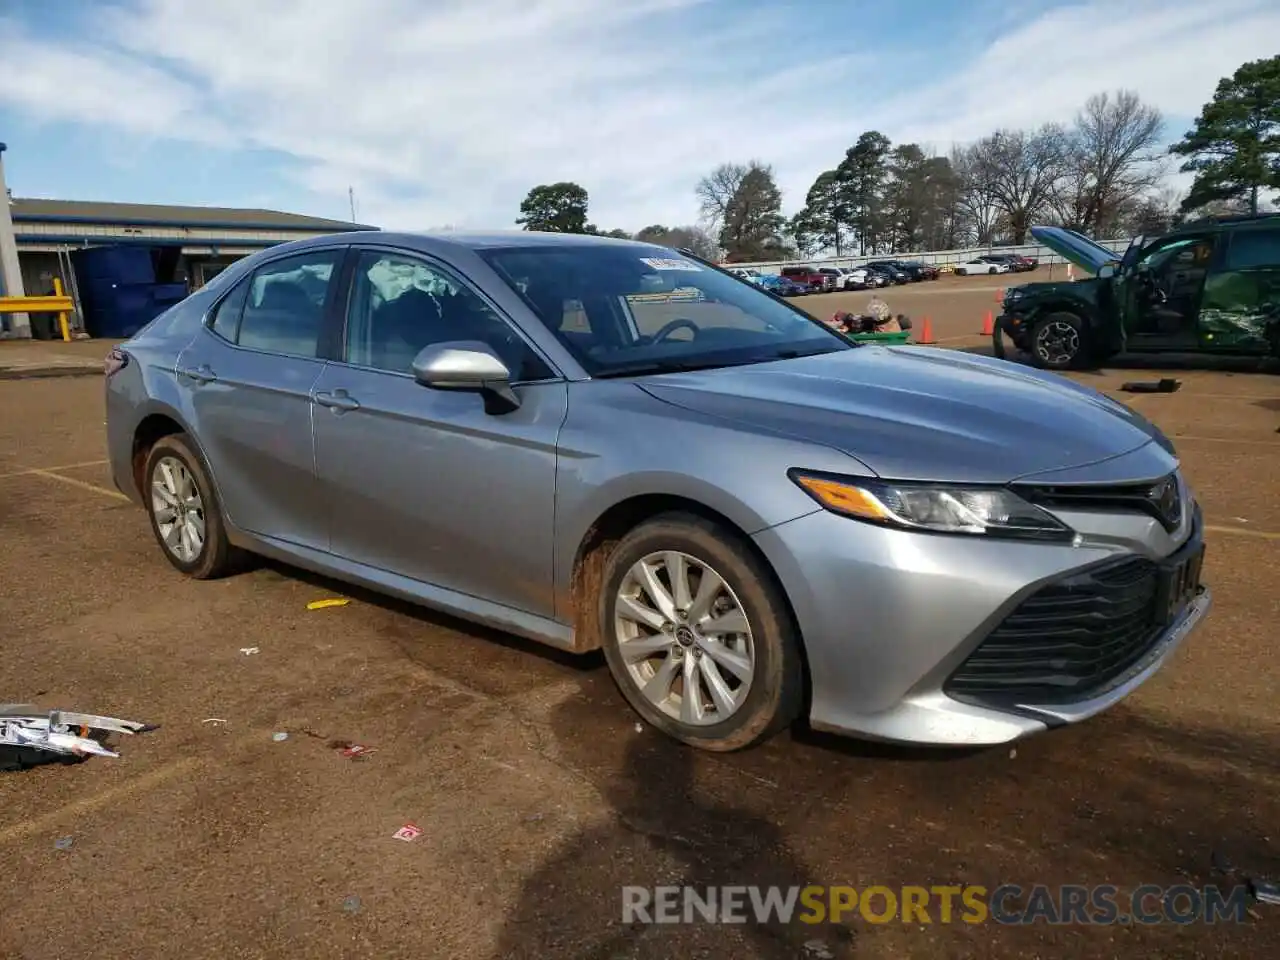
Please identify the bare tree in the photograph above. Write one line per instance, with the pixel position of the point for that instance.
(976, 208)
(717, 189)
(1113, 159)
(1020, 169)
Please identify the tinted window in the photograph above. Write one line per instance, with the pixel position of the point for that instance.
(226, 315)
(400, 304)
(646, 305)
(1254, 248)
(284, 312)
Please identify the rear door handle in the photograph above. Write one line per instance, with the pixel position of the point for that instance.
(338, 400)
(201, 374)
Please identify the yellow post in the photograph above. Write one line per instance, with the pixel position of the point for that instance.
(62, 317)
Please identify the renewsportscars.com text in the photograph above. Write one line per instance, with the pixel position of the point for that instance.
(1007, 904)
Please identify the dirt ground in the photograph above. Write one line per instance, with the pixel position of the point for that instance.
(537, 796)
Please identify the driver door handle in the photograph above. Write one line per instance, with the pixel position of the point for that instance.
(338, 400)
(201, 374)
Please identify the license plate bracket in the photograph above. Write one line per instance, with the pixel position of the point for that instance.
(1177, 584)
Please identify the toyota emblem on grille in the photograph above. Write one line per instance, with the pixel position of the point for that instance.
(1167, 501)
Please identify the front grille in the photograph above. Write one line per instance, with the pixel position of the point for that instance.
(1161, 499)
(1066, 642)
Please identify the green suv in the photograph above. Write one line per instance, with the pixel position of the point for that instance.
(1212, 286)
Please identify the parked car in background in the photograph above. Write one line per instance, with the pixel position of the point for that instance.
(750, 274)
(856, 278)
(979, 265)
(922, 271)
(1016, 262)
(1209, 286)
(888, 269)
(810, 276)
(782, 286)
(846, 278)
(535, 431)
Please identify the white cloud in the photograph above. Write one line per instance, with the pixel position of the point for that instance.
(448, 112)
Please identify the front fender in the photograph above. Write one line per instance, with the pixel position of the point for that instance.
(619, 443)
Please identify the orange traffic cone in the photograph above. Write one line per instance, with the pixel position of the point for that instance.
(926, 335)
(988, 324)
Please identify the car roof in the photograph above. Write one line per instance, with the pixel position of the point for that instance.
(472, 240)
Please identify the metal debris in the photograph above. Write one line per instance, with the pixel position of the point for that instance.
(29, 737)
(351, 904)
(280, 737)
(818, 950)
(249, 651)
(63, 843)
(1262, 891)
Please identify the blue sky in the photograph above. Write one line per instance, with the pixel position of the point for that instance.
(444, 112)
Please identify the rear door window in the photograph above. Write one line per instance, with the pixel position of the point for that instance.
(285, 306)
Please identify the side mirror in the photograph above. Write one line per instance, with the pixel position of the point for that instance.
(466, 365)
(1106, 271)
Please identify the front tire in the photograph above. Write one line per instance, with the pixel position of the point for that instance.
(698, 635)
(186, 517)
(1059, 341)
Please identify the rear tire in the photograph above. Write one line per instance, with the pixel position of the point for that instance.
(736, 643)
(1059, 341)
(186, 517)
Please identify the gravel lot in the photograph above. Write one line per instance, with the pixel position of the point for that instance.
(537, 797)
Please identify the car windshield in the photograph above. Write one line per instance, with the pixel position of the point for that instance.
(623, 310)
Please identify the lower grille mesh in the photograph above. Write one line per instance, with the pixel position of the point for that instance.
(1067, 641)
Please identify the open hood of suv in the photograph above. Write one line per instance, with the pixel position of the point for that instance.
(1075, 247)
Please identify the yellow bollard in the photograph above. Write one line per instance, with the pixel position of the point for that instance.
(62, 317)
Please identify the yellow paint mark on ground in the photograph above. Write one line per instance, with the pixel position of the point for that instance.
(85, 805)
(129, 789)
(93, 487)
(33, 471)
(325, 604)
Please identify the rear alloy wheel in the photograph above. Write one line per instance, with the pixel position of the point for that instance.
(185, 515)
(697, 635)
(1058, 342)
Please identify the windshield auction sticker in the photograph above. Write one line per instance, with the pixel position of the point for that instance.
(657, 263)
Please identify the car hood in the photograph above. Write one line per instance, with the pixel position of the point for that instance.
(1084, 287)
(1075, 247)
(916, 413)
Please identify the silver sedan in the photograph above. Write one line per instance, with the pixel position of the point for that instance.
(599, 443)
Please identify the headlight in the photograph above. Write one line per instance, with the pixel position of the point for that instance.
(936, 508)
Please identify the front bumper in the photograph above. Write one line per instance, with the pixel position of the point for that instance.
(890, 617)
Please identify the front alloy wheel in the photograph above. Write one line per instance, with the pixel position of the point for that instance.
(698, 635)
(684, 637)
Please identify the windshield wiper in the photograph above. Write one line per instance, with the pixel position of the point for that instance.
(668, 366)
(820, 351)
